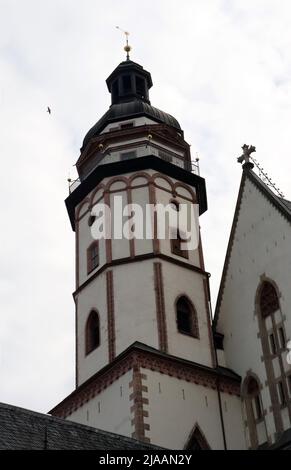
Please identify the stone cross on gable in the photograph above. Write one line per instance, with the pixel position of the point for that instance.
(247, 150)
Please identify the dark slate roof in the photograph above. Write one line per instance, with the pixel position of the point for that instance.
(131, 109)
(22, 429)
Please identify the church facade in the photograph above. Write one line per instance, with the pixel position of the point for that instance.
(150, 362)
(253, 309)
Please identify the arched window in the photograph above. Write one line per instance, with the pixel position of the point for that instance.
(186, 317)
(269, 301)
(253, 392)
(254, 412)
(92, 333)
(273, 340)
(177, 243)
(177, 237)
(92, 256)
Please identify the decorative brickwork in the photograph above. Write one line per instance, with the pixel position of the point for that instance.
(139, 400)
(160, 305)
(110, 315)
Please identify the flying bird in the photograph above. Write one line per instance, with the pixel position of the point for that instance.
(49, 110)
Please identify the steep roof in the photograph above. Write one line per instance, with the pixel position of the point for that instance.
(22, 429)
(281, 204)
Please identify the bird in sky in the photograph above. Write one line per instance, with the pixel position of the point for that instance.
(49, 110)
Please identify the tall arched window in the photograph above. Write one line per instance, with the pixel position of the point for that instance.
(186, 317)
(253, 392)
(254, 412)
(269, 301)
(273, 340)
(177, 242)
(92, 333)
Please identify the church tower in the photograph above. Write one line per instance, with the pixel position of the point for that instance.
(145, 359)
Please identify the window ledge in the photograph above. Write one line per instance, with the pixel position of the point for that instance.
(91, 350)
(186, 333)
(92, 269)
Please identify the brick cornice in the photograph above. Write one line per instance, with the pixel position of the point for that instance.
(139, 355)
(158, 256)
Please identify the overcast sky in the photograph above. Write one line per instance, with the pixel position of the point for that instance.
(221, 67)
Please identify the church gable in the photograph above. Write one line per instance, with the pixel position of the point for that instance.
(259, 236)
(253, 308)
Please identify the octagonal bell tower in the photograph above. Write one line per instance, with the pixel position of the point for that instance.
(144, 349)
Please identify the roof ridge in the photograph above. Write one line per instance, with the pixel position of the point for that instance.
(269, 192)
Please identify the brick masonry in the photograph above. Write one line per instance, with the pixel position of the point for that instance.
(139, 401)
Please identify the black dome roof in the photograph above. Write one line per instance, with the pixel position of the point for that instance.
(129, 86)
(132, 109)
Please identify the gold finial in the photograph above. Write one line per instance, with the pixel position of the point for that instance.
(127, 47)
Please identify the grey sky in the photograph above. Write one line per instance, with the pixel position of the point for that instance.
(221, 67)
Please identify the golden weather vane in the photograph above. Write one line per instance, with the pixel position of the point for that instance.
(127, 47)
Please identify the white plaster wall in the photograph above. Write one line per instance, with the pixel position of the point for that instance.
(172, 418)
(140, 121)
(134, 310)
(221, 358)
(261, 246)
(135, 313)
(109, 410)
(135, 305)
(179, 281)
(93, 296)
(233, 423)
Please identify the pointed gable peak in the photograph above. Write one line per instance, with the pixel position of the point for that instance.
(279, 203)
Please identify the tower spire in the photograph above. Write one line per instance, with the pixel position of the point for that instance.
(127, 47)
